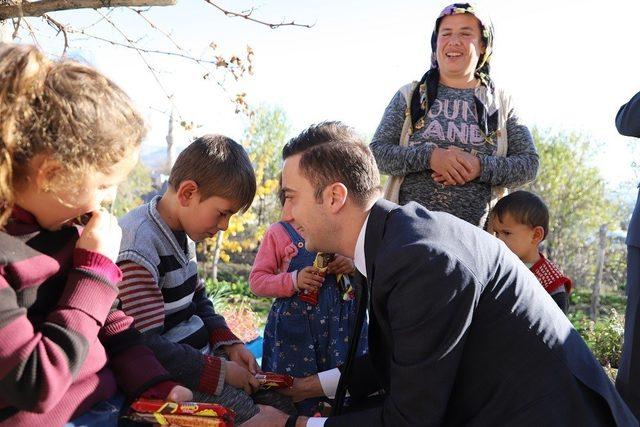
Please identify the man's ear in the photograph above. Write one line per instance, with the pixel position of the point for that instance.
(538, 234)
(187, 192)
(336, 196)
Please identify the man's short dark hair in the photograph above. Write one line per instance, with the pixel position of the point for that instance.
(525, 208)
(333, 152)
(220, 167)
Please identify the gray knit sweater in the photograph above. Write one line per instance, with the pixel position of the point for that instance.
(452, 121)
(190, 327)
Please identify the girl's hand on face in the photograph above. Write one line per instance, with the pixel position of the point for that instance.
(102, 234)
(341, 265)
(309, 279)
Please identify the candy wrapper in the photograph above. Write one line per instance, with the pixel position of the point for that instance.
(185, 414)
(320, 263)
(271, 380)
(348, 293)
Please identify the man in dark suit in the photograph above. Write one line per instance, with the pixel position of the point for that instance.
(628, 379)
(460, 331)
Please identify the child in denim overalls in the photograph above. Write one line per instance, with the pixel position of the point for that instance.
(300, 338)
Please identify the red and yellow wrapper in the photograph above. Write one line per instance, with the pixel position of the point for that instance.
(185, 414)
(271, 380)
(320, 263)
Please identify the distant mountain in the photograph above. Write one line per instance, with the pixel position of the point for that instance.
(155, 157)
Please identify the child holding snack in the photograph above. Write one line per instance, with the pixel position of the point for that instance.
(211, 180)
(309, 323)
(521, 221)
(68, 136)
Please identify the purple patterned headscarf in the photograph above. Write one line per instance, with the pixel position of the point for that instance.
(427, 90)
(486, 31)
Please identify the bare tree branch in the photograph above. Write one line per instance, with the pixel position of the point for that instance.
(39, 8)
(131, 45)
(61, 29)
(32, 34)
(247, 15)
(140, 53)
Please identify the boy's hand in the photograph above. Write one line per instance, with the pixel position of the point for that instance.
(341, 265)
(240, 354)
(240, 378)
(309, 279)
(180, 394)
(102, 234)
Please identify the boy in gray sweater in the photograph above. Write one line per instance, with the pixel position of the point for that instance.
(211, 180)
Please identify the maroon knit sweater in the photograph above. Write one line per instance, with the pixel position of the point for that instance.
(63, 345)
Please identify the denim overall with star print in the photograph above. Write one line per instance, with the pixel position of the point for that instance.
(301, 339)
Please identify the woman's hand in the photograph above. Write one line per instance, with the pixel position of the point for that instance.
(455, 166)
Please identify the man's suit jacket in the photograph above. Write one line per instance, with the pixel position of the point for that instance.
(462, 333)
(628, 379)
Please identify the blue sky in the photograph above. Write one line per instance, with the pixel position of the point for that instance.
(568, 64)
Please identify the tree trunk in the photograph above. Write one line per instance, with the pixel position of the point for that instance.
(216, 256)
(39, 8)
(171, 150)
(595, 293)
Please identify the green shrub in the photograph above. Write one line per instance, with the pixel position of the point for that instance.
(604, 337)
(232, 289)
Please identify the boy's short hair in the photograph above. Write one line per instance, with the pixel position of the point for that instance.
(220, 167)
(525, 208)
(333, 152)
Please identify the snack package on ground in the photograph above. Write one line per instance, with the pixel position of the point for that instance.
(271, 380)
(320, 263)
(185, 414)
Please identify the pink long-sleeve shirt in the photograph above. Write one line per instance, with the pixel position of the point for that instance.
(269, 276)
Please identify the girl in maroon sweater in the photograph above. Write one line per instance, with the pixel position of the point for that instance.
(68, 136)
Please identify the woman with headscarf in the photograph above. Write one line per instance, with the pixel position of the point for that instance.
(452, 141)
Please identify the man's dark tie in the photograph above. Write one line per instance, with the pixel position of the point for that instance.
(360, 283)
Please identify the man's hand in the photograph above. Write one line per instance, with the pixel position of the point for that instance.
(309, 278)
(304, 388)
(240, 378)
(268, 417)
(472, 170)
(240, 354)
(341, 265)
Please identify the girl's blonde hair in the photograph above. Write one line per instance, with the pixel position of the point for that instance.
(64, 110)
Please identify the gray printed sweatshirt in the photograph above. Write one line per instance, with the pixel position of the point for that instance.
(452, 121)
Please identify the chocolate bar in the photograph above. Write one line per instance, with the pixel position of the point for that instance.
(321, 263)
(271, 380)
(186, 414)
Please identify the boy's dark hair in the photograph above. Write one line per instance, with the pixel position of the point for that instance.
(525, 208)
(220, 167)
(333, 152)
